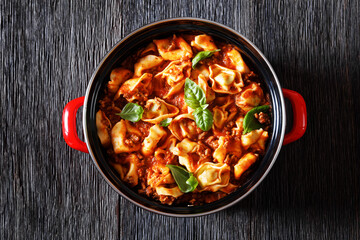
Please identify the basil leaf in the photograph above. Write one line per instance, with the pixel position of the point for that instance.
(184, 179)
(192, 181)
(196, 99)
(132, 112)
(194, 95)
(202, 55)
(166, 122)
(204, 106)
(250, 122)
(203, 119)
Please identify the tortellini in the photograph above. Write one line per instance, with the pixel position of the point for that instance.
(150, 48)
(227, 145)
(238, 130)
(165, 151)
(209, 93)
(244, 163)
(261, 142)
(174, 75)
(117, 77)
(221, 114)
(156, 133)
(136, 88)
(157, 110)
(174, 49)
(204, 43)
(221, 151)
(238, 61)
(131, 176)
(250, 97)
(213, 176)
(173, 191)
(158, 175)
(125, 137)
(256, 139)
(220, 117)
(184, 126)
(146, 63)
(103, 126)
(225, 80)
(191, 154)
(200, 69)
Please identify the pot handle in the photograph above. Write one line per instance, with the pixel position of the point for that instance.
(69, 125)
(299, 116)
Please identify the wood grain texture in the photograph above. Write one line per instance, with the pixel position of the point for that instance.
(49, 50)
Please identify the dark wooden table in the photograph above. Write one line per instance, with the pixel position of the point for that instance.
(49, 50)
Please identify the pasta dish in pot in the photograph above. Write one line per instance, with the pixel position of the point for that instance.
(184, 119)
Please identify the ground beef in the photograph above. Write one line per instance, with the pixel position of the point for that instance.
(263, 118)
(203, 135)
(230, 124)
(212, 142)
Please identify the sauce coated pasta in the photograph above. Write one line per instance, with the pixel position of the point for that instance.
(184, 120)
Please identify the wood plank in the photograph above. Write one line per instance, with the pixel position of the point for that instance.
(48, 53)
(48, 191)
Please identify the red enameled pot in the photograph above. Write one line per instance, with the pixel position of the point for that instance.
(253, 57)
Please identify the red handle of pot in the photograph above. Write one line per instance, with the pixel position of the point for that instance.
(69, 125)
(299, 116)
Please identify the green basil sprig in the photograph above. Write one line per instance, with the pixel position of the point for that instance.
(202, 55)
(132, 112)
(195, 98)
(194, 95)
(166, 122)
(203, 118)
(184, 179)
(250, 122)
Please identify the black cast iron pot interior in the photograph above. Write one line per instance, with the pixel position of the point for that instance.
(139, 39)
